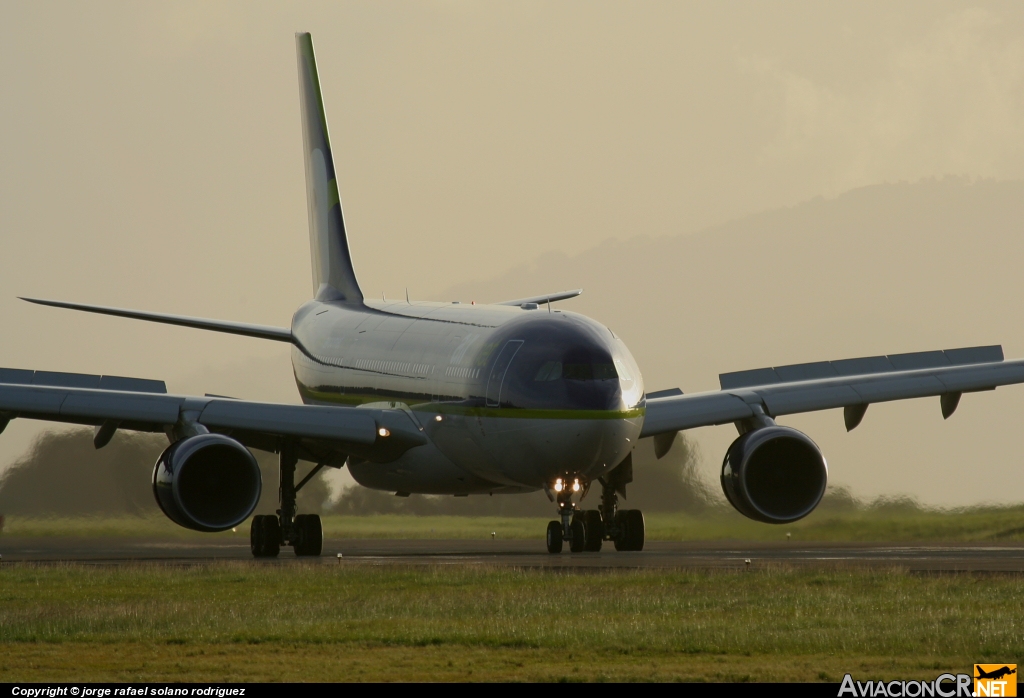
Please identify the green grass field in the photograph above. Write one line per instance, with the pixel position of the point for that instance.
(248, 621)
(882, 524)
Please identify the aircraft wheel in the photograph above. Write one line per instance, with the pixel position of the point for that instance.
(594, 528)
(621, 538)
(271, 531)
(554, 537)
(256, 536)
(579, 536)
(310, 535)
(635, 529)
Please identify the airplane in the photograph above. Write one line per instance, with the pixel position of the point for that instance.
(446, 398)
(994, 674)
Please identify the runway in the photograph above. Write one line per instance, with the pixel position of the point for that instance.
(528, 554)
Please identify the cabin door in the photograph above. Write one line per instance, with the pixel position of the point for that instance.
(501, 364)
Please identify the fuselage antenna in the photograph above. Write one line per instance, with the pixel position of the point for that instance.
(407, 296)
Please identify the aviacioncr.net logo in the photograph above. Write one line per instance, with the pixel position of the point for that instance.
(943, 686)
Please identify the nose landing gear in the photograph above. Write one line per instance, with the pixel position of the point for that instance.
(570, 526)
(586, 530)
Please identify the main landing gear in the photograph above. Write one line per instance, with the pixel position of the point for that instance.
(585, 530)
(303, 532)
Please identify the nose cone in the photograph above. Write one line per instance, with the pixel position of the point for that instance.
(566, 398)
(569, 362)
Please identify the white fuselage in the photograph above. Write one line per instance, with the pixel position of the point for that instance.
(509, 398)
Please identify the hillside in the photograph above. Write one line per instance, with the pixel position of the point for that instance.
(881, 269)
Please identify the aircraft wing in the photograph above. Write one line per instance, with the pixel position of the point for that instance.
(852, 384)
(323, 434)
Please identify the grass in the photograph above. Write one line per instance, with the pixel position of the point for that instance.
(864, 524)
(249, 621)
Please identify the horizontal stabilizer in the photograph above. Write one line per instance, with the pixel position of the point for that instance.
(548, 298)
(18, 376)
(279, 334)
(822, 370)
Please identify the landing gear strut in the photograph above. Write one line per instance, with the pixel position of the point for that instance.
(586, 530)
(625, 527)
(304, 532)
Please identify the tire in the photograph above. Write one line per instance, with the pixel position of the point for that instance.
(622, 537)
(310, 535)
(635, 529)
(256, 536)
(554, 537)
(298, 541)
(271, 529)
(579, 536)
(594, 530)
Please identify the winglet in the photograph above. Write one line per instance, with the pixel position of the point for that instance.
(334, 277)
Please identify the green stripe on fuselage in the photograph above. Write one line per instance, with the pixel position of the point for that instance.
(493, 412)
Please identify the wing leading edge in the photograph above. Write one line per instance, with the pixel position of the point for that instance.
(779, 397)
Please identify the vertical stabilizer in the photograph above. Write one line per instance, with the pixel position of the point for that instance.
(333, 275)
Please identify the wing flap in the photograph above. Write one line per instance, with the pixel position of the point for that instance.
(892, 363)
(22, 376)
(811, 399)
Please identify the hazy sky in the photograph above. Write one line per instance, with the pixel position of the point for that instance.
(150, 152)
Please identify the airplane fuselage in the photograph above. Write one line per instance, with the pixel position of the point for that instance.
(510, 397)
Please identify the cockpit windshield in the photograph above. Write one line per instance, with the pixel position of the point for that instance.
(562, 365)
(556, 370)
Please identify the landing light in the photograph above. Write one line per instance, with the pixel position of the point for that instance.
(383, 432)
(437, 418)
(576, 485)
(558, 485)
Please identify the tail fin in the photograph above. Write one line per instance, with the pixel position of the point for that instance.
(333, 275)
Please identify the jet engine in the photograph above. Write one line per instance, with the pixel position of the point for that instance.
(207, 482)
(774, 475)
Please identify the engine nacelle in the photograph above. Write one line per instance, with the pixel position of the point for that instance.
(774, 474)
(207, 482)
